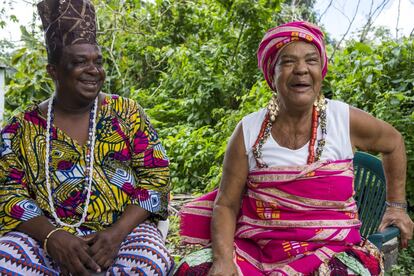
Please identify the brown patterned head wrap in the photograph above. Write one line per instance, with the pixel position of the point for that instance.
(67, 22)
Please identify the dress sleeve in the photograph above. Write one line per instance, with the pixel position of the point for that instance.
(16, 204)
(150, 163)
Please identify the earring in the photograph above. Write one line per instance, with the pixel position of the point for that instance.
(273, 107)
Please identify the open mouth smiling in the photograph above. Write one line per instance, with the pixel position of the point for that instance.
(89, 82)
(300, 85)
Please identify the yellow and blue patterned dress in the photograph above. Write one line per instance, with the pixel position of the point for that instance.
(130, 167)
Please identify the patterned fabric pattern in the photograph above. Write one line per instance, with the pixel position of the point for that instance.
(142, 253)
(199, 263)
(131, 167)
(291, 219)
(353, 264)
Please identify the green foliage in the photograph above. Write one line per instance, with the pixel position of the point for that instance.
(192, 66)
(200, 151)
(379, 79)
(405, 261)
(29, 83)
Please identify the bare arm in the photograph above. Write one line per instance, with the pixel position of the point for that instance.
(227, 205)
(371, 134)
(37, 228)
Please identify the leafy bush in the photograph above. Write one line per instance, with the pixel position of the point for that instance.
(193, 67)
(380, 80)
(405, 262)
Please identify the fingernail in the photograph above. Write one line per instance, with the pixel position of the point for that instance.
(98, 270)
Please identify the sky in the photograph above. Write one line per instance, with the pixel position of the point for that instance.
(336, 23)
(24, 13)
(335, 20)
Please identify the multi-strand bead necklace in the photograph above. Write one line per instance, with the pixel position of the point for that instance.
(89, 159)
(318, 117)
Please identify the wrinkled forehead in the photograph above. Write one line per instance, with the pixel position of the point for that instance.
(298, 49)
(81, 50)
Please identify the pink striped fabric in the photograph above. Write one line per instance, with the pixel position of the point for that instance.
(276, 38)
(292, 219)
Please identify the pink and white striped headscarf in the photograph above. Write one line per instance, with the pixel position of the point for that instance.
(276, 38)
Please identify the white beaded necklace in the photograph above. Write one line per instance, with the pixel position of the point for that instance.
(89, 159)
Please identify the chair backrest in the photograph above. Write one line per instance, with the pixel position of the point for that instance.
(369, 185)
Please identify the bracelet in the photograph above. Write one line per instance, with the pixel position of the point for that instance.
(47, 238)
(399, 205)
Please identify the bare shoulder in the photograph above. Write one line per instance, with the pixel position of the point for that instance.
(358, 116)
(369, 133)
(235, 159)
(236, 142)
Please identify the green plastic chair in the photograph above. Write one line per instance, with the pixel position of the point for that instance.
(369, 187)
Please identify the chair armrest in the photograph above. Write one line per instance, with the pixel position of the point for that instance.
(379, 238)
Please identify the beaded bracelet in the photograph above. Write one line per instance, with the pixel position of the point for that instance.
(48, 236)
(399, 205)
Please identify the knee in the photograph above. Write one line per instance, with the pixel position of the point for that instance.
(19, 253)
(143, 260)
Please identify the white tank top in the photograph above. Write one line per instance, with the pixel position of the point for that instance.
(337, 141)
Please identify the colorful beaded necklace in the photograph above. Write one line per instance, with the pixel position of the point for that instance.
(318, 117)
(89, 159)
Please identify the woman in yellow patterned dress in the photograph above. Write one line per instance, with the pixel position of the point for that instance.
(84, 177)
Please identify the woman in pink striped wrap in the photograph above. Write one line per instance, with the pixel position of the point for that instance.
(285, 204)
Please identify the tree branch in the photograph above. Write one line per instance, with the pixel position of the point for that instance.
(27, 2)
(326, 9)
(347, 31)
(343, 13)
(398, 19)
(372, 16)
(367, 25)
(238, 41)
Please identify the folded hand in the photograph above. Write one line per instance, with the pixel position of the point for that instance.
(71, 254)
(103, 247)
